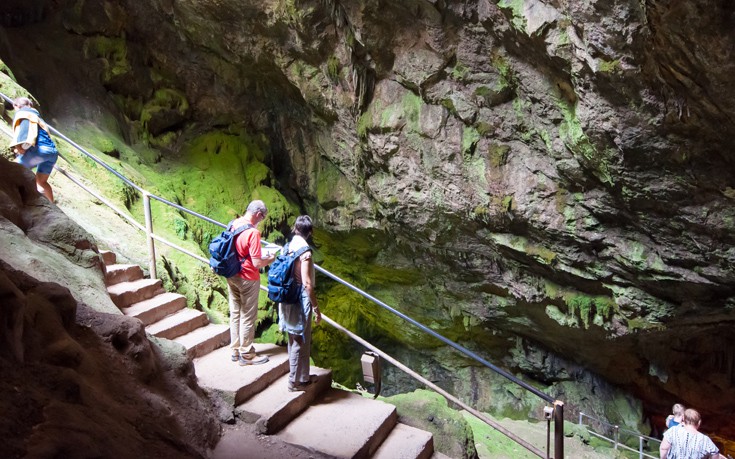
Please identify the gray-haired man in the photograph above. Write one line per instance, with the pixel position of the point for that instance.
(244, 287)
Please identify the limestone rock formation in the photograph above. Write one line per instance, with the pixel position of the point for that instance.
(79, 378)
(548, 182)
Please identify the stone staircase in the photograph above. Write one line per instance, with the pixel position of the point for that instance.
(164, 314)
(328, 421)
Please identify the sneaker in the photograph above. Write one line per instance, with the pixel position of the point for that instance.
(251, 358)
(235, 356)
(299, 387)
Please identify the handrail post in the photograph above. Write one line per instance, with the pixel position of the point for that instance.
(640, 447)
(548, 437)
(149, 234)
(580, 418)
(616, 436)
(558, 429)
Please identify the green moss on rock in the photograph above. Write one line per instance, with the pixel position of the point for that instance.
(112, 51)
(430, 411)
(571, 132)
(497, 154)
(470, 137)
(517, 9)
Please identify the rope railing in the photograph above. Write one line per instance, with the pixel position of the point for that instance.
(557, 406)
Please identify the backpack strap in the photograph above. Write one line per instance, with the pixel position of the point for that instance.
(301, 251)
(237, 232)
(244, 227)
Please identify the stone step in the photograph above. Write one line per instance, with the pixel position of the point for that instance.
(275, 406)
(236, 383)
(341, 424)
(406, 442)
(126, 293)
(115, 274)
(438, 455)
(179, 323)
(205, 339)
(108, 257)
(156, 308)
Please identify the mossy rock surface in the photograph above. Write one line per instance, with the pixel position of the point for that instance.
(430, 411)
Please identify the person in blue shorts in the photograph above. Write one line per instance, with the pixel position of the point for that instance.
(33, 145)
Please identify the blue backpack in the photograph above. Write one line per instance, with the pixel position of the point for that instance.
(282, 286)
(224, 259)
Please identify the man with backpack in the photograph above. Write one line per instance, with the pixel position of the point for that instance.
(244, 287)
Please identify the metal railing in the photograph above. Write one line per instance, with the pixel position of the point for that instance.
(555, 411)
(644, 441)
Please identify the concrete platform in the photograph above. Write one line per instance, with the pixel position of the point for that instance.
(341, 424)
(126, 293)
(406, 442)
(205, 339)
(178, 324)
(275, 406)
(237, 383)
(156, 308)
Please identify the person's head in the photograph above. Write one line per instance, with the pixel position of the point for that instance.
(303, 226)
(257, 210)
(692, 418)
(22, 102)
(678, 409)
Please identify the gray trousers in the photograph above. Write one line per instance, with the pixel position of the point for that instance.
(299, 349)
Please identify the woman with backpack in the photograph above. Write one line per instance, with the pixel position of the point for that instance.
(295, 319)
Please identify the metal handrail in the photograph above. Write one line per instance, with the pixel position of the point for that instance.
(642, 439)
(443, 339)
(497, 426)
(558, 412)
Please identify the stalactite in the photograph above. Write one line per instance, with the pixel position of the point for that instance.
(362, 74)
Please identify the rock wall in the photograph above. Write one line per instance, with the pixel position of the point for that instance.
(79, 378)
(547, 182)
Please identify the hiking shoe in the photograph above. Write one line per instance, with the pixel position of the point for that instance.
(251, 358)
(299, 387)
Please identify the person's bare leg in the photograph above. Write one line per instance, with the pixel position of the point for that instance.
(43, 186)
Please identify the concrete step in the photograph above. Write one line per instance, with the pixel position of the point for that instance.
(406, 442)
(236, 383)
(275, 406)
(180, 323)
(341, 424)
(108, 258)
(126, 293)
(156, 308)
(122, 273)
(205, 339)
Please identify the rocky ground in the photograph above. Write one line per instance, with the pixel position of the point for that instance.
(71, 358)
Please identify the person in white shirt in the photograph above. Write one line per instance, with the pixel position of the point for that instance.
(686, 442)
(295, 319)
